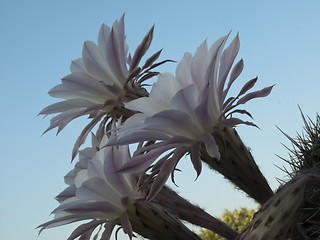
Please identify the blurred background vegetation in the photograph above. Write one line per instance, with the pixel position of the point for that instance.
(238, 220)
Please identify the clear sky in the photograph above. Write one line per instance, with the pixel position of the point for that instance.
(279, 44)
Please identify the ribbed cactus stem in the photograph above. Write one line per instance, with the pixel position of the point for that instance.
(193, 214)
(154, 222)
(277, 219)
(237, 165)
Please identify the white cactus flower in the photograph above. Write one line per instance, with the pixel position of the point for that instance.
(186, 111)
(101, 81)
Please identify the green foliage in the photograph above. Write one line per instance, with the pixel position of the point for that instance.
(238, 220)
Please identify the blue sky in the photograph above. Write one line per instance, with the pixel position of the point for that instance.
(279, 44)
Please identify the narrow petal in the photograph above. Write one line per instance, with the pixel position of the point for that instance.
(101, 207)
(84, 134)
(195, 158)
(183, 71)
(125, 223)
(66, 105)
(67, 193)
(169, 122)
(164, 174)
(96, 189)
(81, 81)
(60, 91)
(103, 36)
(141, 49)
(108, 230)
(211, 145)
(186, 99)
(199, 65)
(248, 86)
(231, 122)
(84, 228)
(96, 64)
(77, 66)
(257, 94)
(227, 58)
(236, 71)
(115, 57)
(143, 161)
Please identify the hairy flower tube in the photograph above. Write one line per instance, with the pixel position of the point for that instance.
(106, 198)
(101, 81)
(187, 112)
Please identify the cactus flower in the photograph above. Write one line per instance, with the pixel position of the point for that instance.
(98, 193)
(185, 112)
(101, 81)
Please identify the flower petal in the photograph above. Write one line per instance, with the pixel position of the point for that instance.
(195, 158)
(164, 173)
(96, 64)
(84, 228)
(211, 145)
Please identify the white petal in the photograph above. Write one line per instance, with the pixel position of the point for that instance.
(104, 33)
(96, 64)
(226, 61)
(199, 65)
(77, 66)
(183, 71)
(96, 189)
(80, 81)
(211, 145)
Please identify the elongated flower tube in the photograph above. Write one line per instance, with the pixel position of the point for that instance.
(106, 198)
(185, 210)
(102, 81)
(186, 114)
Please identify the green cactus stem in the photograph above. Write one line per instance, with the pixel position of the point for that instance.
(304, 158)
(237, 165)
(278, 217)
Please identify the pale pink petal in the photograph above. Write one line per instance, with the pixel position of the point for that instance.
(250, 84)
(183, 71)
(227, 58)
(77, 66)
(81, 81)
(142, 162)
(60, 91)
(111, 166)
(96, 64)
(236, 71)
(115, 56)
(66, 105)
(169, 122)
(84, 134)
(125, 223)
(103, 36)
(199, 65)
(211, 145)
(231, 122)
(257, 94)
(67, 193)
(165, 171)
(84, 228)
(62, 221)
(141, 49)
(164, 89)
(186, 99)
(145, 104)
(195, 158)
(100, 207)
(108, 230)
(96, 189)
